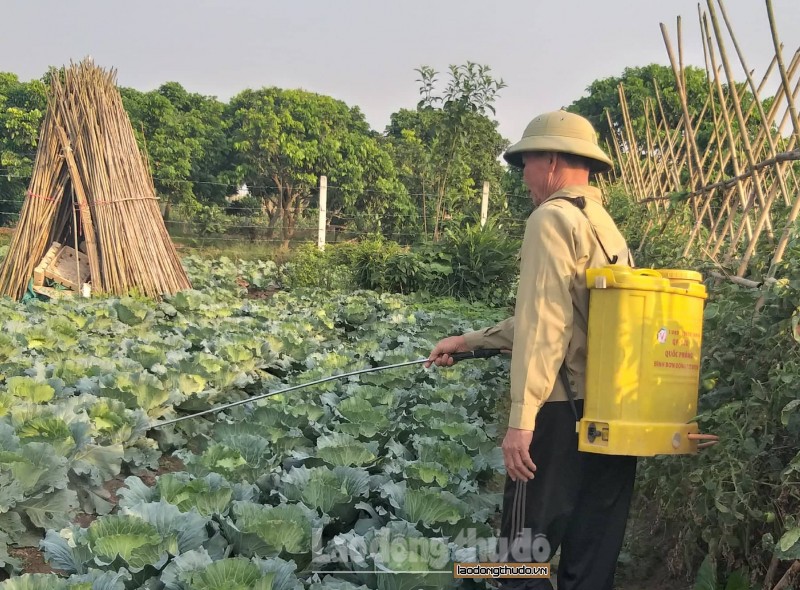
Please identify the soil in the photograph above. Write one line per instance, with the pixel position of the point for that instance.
(165, 465)
(148, 477)
(169, 465)
(254, 292)
(83, 520)
(32, 560)
(261, 293)
(655, 582)
(112, 486)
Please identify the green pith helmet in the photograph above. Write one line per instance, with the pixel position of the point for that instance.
(560, 131)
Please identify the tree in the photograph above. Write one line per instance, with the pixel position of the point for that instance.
(447, 146)
(639, 84)
(517, 199)
(283, 140)
(184, 136)
(22, 107)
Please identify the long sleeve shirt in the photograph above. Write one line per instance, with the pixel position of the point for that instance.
(550, 321)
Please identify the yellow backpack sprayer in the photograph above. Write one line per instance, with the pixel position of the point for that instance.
(643, 364)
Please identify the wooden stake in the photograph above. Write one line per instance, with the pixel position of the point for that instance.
(633, 146)
(689, 131)
(765, 221)
(621, 162)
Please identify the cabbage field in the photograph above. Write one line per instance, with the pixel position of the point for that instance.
(327, 487)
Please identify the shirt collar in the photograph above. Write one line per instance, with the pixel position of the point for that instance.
(588, 191)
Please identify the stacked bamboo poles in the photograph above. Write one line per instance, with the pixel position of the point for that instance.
(742, 186)
(45, 194)
(113, 207)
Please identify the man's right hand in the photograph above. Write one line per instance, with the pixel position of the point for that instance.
(440, 355)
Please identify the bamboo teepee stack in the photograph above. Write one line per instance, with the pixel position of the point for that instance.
(91, 189)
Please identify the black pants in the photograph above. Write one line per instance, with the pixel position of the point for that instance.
(578, 501)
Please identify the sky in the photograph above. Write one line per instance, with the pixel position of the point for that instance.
(364, 52)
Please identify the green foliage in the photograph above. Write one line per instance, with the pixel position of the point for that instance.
(473, 263)
(639, 84)
(310, 267)
(446, 148)
(516, 201)
(484, 262)
(210, 220)
(268, 481)
(231, 574)
(283, 140)
(185, 138)
(426, 171)
(707, 578)
(638, 81)
(385, 266)
(22, 107)
(655, 244)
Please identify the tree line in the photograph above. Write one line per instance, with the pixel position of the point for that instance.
(423, 172)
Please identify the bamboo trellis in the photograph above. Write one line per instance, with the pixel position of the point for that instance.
(91, 188)
(740, 182)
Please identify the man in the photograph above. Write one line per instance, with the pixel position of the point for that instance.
(554, 494)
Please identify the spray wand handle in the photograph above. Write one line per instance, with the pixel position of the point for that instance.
(482, 353)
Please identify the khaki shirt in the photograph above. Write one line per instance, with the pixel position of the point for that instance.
(552, 306)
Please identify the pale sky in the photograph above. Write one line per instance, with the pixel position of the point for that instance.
(364, 51)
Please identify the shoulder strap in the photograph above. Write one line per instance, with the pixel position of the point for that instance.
(562, 373)
(580, 203)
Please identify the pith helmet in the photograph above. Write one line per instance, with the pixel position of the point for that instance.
(560, 131)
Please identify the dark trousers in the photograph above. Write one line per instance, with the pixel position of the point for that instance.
(578, 501)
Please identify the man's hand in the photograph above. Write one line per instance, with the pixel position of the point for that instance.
(711, 438)
(517, 454)
(440, 355)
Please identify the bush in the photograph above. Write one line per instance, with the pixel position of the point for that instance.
(386, 266)
(309, 267)
(210, 219)
(473, 263)
(484, 263)
(654, 244)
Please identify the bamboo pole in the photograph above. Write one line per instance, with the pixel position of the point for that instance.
(620, 160)
(765, 212)
(689, 131)
(766, 223)
(45, 193)
(721, 157)
(790, 156)
(652, 177)
(670, 151)
(755, 90)
(781, 67)
(660, 166)
(633, 146)
(787, 230)
(715, 145)
(730, 136)
(682, 149)
(87, 149)
(712, 243)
